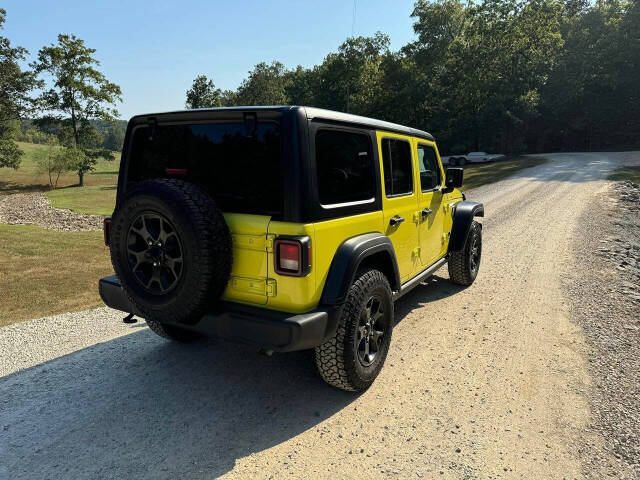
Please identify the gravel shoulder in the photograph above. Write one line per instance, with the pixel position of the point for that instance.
(605, 294)
(492, 381)
(35, 209)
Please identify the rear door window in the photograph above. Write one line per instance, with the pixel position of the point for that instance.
(344, 166)
(398, 171)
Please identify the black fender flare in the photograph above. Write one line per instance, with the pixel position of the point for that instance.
(348, 258)
(462, 214)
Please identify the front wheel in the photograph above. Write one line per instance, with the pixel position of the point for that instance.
(352, 359)
(464, 265)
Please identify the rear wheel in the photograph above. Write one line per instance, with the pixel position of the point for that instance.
(171, 332)
(464, 265)
(171, 249)
(353, 358)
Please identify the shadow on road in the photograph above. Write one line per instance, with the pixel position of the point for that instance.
(140, 407)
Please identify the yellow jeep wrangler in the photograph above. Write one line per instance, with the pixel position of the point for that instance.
(288, 228)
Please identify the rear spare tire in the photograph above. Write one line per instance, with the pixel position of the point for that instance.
(171, 250)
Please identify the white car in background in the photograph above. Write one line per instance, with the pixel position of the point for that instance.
(471, 157)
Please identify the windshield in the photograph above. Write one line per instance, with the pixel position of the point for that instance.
(242, 172)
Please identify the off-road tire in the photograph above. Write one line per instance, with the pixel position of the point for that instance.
(205, 246)
(461, 267)
(171, 332)
(337, 359)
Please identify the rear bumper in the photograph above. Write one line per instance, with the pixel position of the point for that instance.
(268, 329)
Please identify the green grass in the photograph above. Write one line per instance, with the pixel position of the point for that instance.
(28, 179)
(97, 200)
(626, 173)
(482, 174)
(44, 272)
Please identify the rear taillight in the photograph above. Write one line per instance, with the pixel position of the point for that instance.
(106, 228)
(175, 172)
(292, 256)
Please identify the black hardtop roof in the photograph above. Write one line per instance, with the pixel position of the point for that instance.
(315, 113)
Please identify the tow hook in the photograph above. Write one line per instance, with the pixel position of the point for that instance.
(129, 319)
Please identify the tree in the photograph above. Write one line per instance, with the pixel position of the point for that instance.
(349, 80)
(203, 94)
(266, 85)
(15, 85)
(79, 94)
(54, 161)
(10, 154)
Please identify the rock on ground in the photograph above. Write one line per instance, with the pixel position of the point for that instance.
(35, 209)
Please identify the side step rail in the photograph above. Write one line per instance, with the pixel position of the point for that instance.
(417, 280)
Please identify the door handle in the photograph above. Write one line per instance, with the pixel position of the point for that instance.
(396, 220)
(426, 212)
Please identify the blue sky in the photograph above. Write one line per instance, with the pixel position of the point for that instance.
(154, 49)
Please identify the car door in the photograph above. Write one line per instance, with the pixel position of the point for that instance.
(400, 199)
(431, 209)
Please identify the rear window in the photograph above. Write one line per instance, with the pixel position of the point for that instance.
(344, 166)
(242, 172)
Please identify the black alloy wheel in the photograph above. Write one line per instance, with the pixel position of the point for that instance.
(371, 330)
(475, 254)
(154, 252)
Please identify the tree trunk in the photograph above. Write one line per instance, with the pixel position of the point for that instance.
(81, 178)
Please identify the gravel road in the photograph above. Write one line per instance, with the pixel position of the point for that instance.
(492, 381)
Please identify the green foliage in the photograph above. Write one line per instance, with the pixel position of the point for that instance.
(15, 85)
(54, 161)
(80, 93)
(203, 94)
(10, 154)
(496, 75)
(266, 85)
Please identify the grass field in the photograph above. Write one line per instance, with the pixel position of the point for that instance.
(97, 199)
(626, 173)
(28, 179)
(44, 272)
(482, 174)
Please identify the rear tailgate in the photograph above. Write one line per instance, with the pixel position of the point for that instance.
(249, 281)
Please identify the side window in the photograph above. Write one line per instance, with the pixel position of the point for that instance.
(398, 172)
(344, 166)
(429, 169)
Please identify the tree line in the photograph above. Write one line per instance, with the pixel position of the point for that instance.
(505, 76)
(67, 97)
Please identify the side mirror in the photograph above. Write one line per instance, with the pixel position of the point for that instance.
(453, 179)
